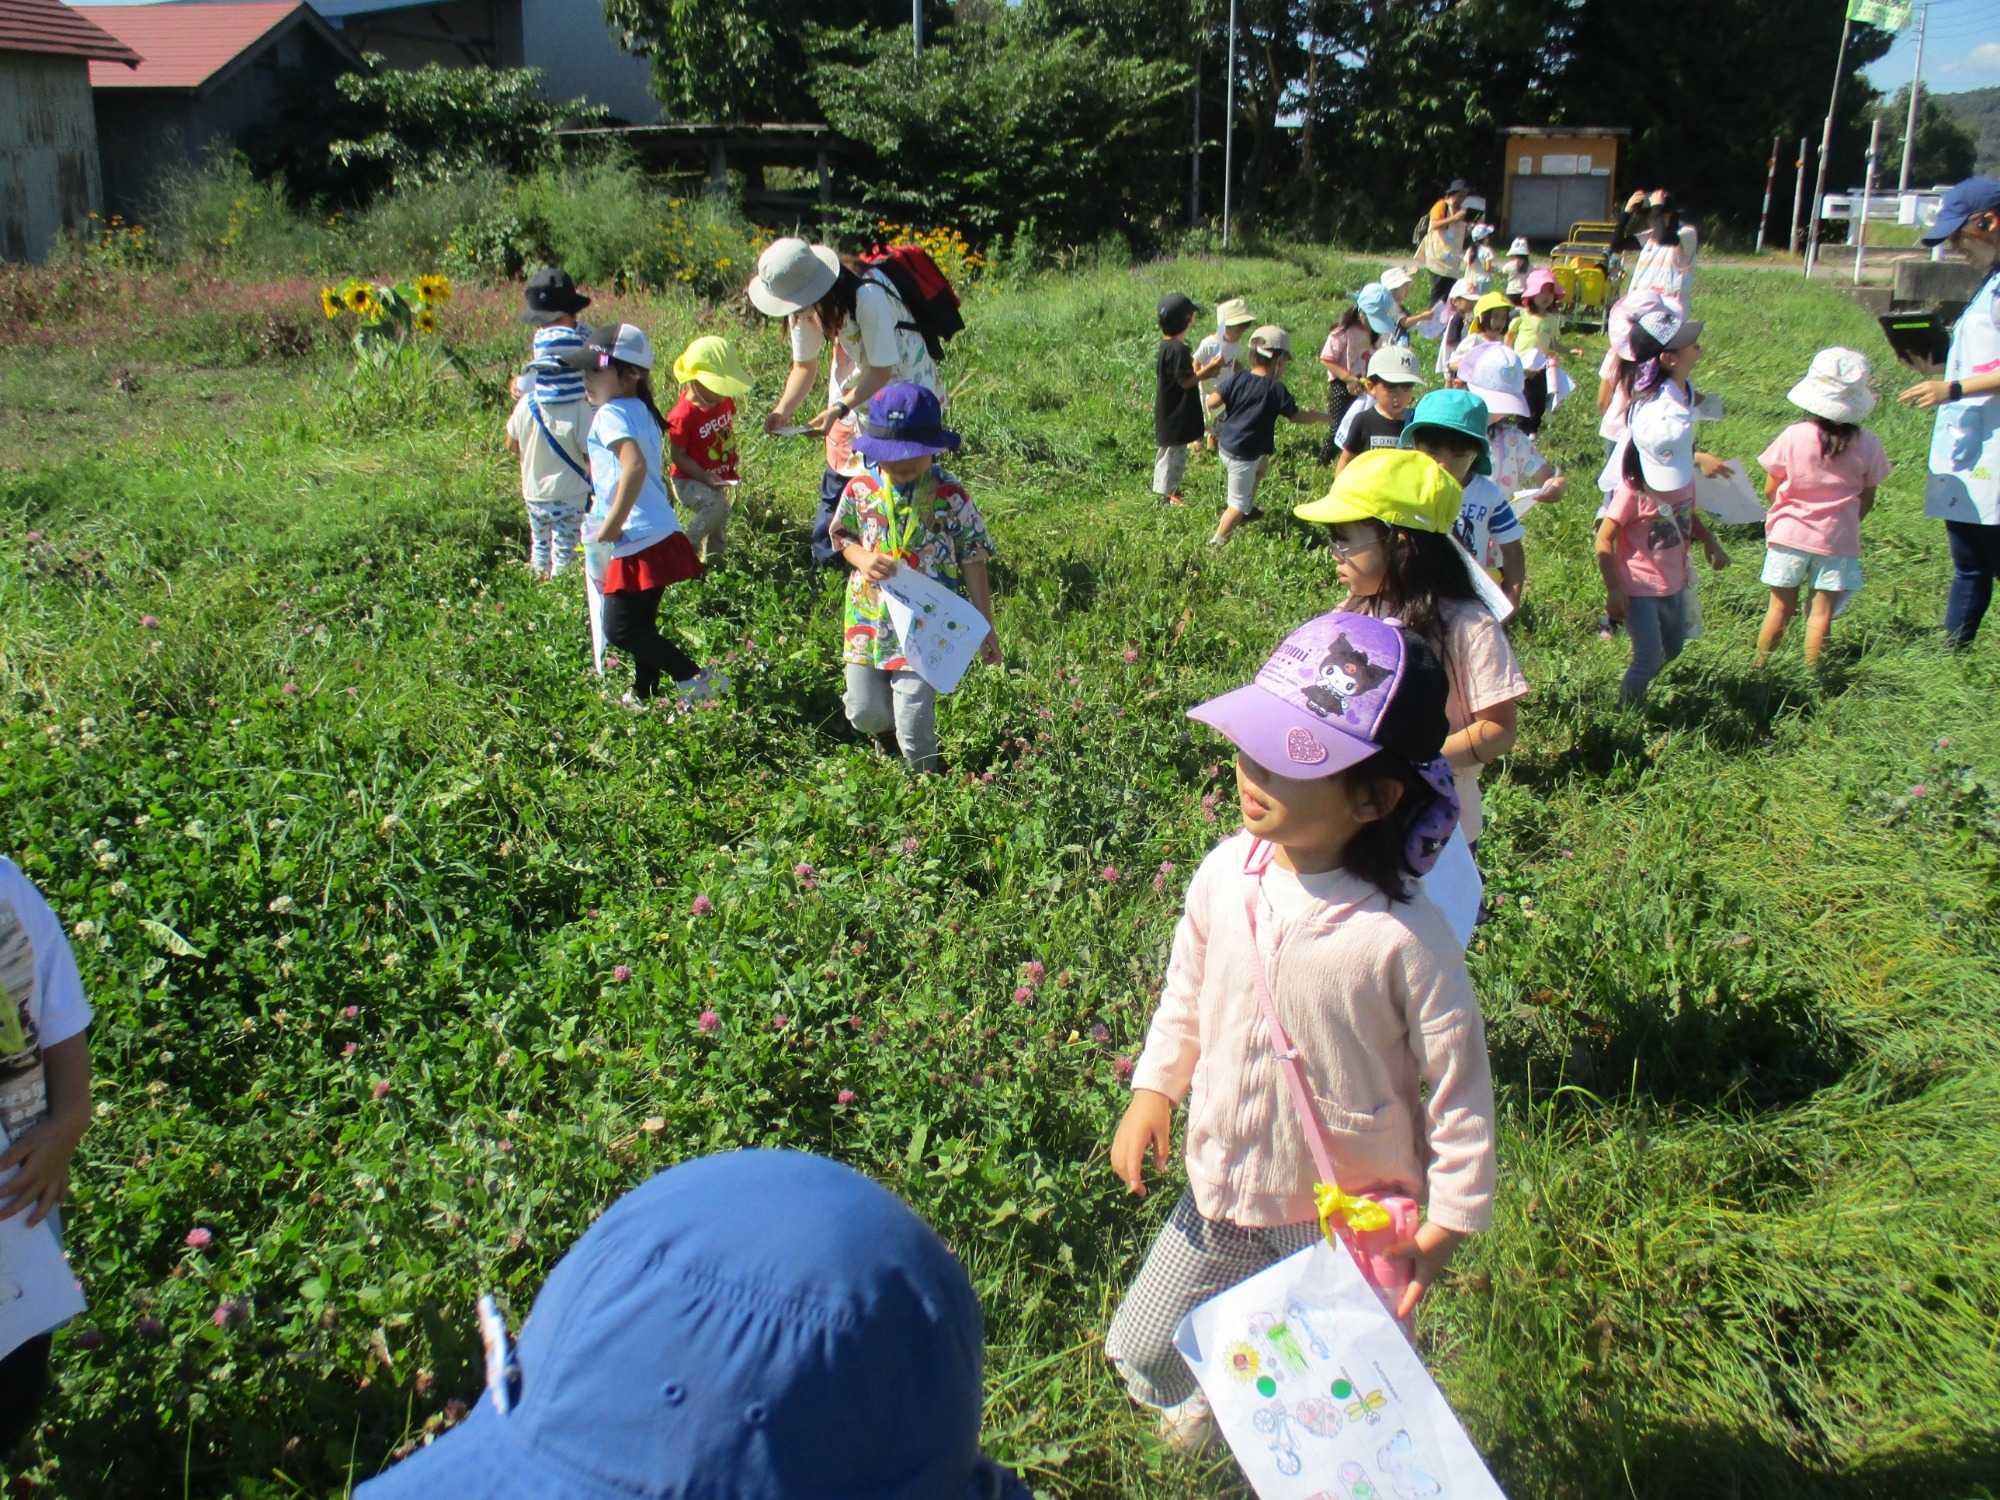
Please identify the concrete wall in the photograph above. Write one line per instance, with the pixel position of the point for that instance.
(49, 176)
(584, 58)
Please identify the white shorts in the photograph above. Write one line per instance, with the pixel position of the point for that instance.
(1242, 475)
(1788, 568)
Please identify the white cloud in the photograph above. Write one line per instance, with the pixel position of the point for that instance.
(1985, 58)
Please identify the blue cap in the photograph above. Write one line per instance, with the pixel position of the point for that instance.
(760, 1325)
(1454, 411)
(1975, 195)
(903, 421)
(1378, 306)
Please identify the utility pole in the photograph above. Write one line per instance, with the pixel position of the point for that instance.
(1826, 147)
(916, 28)
(1798, 194)
(1770, 181)
(1867, 192)
(1194, 154)
(1916, 93)
(1229, 129)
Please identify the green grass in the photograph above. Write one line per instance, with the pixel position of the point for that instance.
(1740, 985)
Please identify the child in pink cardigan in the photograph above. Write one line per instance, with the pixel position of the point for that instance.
(1345, 801)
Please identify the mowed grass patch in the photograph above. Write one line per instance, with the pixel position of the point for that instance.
(359, 852)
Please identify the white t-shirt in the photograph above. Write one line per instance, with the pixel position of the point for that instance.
(1232, 358)
(1667, 267)
(544, 476)
(873, 338)
(41, 998)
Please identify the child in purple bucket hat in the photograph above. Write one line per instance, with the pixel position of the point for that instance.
(904, 511)
(1309, 963)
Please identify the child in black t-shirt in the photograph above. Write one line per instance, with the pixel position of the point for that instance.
(1393, 382)
(1177, 418)
(1251, 401)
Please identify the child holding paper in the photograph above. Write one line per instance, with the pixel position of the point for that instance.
(904, 511)
(44, 1101)
(701, 438)
(1310, 915)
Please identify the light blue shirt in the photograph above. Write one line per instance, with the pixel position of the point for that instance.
(652, 514)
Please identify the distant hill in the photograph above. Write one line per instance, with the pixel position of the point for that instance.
(1978, 110)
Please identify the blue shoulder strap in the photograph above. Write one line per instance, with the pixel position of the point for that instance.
(535, 411)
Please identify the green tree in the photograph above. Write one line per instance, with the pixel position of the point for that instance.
(439, 122)
(1946, 150)
(1002, 120)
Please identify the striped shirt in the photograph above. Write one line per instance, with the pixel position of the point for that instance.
(550, 343)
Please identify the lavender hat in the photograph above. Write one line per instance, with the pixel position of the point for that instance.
(1337, 690)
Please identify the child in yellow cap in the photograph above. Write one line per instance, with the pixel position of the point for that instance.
(701, 430)
(1392, 513)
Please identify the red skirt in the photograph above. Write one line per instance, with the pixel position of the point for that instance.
(669, 560)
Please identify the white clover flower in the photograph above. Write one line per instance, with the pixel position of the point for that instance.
(281, 905)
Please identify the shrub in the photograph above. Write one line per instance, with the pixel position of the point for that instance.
(440, 123)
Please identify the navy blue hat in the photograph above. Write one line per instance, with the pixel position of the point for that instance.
(1177, 310)
(904, 421)
(1975, 195)
(760, 1325)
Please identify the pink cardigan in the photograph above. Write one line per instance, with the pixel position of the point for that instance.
(1378, 1002)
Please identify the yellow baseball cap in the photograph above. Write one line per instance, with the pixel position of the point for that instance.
(1393, 486)
(710, 360)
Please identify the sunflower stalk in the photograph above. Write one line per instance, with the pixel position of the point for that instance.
(389, 317)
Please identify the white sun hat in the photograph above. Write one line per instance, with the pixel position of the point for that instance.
(792, 276)
(1836, 386)
(1395, 278)
(1494, 373)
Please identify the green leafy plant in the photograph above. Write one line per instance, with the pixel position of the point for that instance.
(440, 123)
(388, 317)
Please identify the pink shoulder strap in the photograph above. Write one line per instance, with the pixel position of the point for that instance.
(1255, 863)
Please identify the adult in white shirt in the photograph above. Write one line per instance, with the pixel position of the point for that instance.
(1667, 248)
(823, 299)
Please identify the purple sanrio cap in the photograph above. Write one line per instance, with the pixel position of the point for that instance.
(1338, 689)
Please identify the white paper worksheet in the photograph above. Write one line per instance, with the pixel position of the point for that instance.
(37, 1291)
(1319, 1393)
(940, 632)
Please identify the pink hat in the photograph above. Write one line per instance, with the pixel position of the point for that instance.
(1494, 373)
(1337, 690)
(1624, 317)
(1542, 281)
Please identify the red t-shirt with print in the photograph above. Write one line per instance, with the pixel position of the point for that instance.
(708, 433)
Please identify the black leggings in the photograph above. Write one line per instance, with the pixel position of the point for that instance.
(1536, 389)
(24, 1381)
(1441, 285)
(631, 623)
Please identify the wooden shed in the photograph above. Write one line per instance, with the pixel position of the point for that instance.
(1553, 176)
(50, 179)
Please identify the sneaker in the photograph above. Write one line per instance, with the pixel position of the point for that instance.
(1175, 499)
(1218, 541)
(1608, 628)
(1189, 1427)
(704, 685)
(1254, 513)
(632, 704)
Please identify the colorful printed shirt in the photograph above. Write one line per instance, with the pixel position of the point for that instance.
(41, 999)
(933, 526)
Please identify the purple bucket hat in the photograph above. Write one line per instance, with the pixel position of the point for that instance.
(903, 421)
(1337, 690)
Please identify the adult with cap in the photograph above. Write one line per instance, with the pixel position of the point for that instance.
(1443, 247)
(824, 299)
(760, 1325)
(1963, 489)
(1667, 246)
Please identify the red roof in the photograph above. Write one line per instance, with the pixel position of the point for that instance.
(183, 45)
(51, 26)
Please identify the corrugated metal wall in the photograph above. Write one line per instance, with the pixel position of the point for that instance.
(49, 178)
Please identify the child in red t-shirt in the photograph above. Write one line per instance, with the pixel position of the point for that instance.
(701, 431)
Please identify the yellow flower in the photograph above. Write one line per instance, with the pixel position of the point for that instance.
(370, 308)
(358, 296)
(329, 302)
(427, 321)
(433, 291)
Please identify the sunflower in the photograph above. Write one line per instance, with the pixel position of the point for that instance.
(427, 321)
(359, 297)
(329, 302)
(433, 291)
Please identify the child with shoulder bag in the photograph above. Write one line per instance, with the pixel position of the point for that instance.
(1320, 998)
(701, 436)
(549, 428)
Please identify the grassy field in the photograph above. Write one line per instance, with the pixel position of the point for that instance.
(391, 921)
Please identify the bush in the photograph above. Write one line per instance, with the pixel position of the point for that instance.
(441, 123)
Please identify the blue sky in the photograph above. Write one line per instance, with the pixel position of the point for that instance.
(1962, 50)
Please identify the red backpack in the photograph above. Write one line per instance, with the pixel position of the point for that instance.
(923, 289)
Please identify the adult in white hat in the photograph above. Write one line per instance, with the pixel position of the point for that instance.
(825, 299)
(1963, 489)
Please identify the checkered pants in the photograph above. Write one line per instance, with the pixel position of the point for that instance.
(1193, 1260)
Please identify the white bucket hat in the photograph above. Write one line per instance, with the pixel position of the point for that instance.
(1494, 373)
(1466, 288)
(1233, 313)
(1519, 247)
(1663, 432)
(1836, 386)
(1395, 278)
(792, 276)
